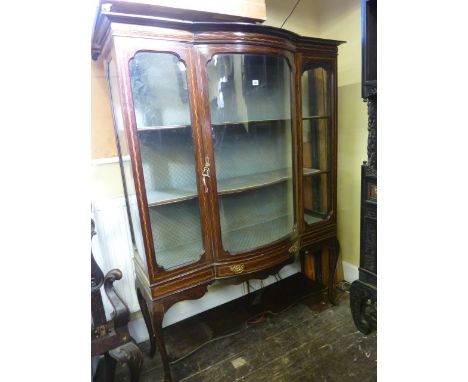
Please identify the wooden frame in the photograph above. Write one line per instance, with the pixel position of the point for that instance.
(119, 37)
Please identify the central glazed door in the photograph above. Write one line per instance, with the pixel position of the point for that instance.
(249, 126)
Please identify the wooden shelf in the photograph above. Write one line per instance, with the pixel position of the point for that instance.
(225, 187)
(257, 235)
(169, 196)
(159, 128)
(313, 218)
(248, 122)
(249, 182)
(172, 127)
(315, 117)
(313, 171)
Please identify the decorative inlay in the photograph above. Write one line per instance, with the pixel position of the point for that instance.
(237, 268)
(294, 248)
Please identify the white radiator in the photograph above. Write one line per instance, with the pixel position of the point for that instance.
(112, 248)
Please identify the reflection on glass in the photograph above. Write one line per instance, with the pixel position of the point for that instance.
(315, 143)
(134, 219)
(316, 140)
(160, 97)
(315, 92)
(316, 198)
(159, 89)
(250, 102)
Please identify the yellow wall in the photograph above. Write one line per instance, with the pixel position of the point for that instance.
(339, 20)
(334, 19)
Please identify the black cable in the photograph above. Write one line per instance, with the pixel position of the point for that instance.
(245, 325)
(284, 22)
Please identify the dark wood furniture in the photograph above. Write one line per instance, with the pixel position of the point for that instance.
(227, 142)
(111, 339)
(363, 297)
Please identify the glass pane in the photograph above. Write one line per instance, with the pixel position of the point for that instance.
(159, 88)
(316, 142)
(160, 96)
(250, 104)
(315, 145)
(316, 198)
(315, 92)
(134, 219)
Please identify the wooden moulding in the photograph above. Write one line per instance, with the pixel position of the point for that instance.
(134, 21)
(214, 10)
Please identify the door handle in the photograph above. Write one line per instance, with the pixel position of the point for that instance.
(206, 174)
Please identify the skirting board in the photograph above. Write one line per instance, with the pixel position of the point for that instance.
(350, 271)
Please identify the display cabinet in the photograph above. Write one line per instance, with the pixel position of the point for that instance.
(226, 134)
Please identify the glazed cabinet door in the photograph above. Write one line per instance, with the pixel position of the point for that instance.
(317, 141)
(249, 96)
(162, 133)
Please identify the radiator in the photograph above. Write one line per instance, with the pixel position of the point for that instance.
(112, 248)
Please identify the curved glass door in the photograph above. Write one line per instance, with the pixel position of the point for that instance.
(162, 111)
(316, 141)
(250, 103)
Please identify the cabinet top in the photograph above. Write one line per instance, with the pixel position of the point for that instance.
(111, 12)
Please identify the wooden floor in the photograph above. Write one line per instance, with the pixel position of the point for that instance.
(311, 341)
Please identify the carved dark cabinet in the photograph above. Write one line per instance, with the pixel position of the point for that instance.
(363, 297)
(227, 142)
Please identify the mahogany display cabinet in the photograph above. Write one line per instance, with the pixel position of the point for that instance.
(227, 137)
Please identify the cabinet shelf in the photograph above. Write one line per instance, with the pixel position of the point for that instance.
(169, 196)
(237, 123)
(313, 171)
(311, 218)
(159, 128)
(248, 122)
(315, 117)
(249, 182)
(225, 187)
(257, 235)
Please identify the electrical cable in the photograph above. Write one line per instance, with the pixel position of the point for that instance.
(253, 320)
(284, 22)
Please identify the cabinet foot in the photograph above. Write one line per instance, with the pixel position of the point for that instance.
(363, 303)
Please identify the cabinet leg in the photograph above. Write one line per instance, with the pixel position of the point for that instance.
(363, 300)
(158, 315)
(333, 261)
(147, 318)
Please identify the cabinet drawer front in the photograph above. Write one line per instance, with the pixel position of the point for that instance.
(253, 265)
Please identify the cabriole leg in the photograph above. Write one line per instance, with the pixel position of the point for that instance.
(147, 318)
(158, 316)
